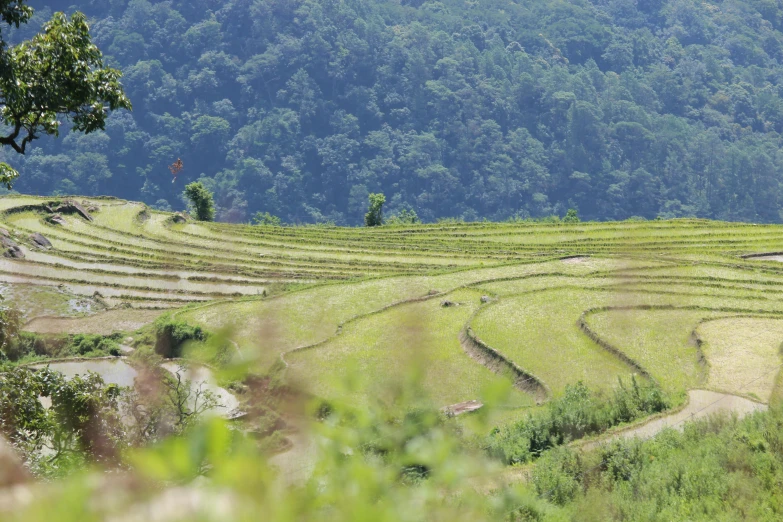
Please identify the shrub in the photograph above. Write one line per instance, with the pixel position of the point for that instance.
(404, 217)
(557, 476)
(571, 216)
(171, 335)
(94, 345)
(267, 219)
(201, 200)
(578, 413)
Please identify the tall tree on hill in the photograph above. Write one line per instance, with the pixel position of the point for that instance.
(59, 72)
(201, 200)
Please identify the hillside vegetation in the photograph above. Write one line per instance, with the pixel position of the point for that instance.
(472, 109)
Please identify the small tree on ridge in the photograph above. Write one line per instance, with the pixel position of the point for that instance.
(201, 200)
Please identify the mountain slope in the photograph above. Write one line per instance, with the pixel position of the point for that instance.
(470, 109)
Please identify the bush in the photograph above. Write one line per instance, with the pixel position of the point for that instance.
(571, 216)
(557, 477)
(94, 345)
(404, 217)
(578, 413)
(201, 201)
(29, 344)
(266, 219)
(171, 335)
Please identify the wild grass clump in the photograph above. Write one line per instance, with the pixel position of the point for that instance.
(579, 413)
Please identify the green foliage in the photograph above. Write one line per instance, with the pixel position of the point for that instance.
(10, 324)
(59, 72)
(266, 219)
(374, 215)
(578, 413)
(557, 475)
(23, 419)
(95, 345)
(403, 217)
(473, 109)
(82, 419)
(716, 469)
(28, 346)
(571, 216)
(201, 201)
(172, 335)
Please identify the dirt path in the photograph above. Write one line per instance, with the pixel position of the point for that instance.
(702, 403)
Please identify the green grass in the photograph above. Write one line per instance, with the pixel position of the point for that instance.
(382, 348)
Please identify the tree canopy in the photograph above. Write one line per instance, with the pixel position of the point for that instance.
(452, 109)
(200, 200)
(58, 72)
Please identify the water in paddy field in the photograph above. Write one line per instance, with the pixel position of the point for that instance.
(115, 371)
(80, 306)
(201, 376)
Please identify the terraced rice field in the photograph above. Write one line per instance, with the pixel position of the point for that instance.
(690, 304)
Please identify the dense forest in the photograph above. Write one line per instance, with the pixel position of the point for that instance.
(456, 108)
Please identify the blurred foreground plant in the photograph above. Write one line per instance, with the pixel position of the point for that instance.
(398, 459)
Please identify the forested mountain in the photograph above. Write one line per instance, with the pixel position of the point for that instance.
(454, 108)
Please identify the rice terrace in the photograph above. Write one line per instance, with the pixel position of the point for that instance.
(686, 304)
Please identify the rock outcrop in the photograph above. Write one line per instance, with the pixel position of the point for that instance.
(10, 248)
(40, 241)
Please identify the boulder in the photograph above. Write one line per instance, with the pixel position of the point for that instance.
(447, 304)
(72, 207)
(7, 242)
(4, 232)
(484, 298)
(40, 241)
(56, 219)
(13, 252)
(179, 217)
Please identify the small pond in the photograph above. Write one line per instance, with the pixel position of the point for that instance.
(113, 371)
(202, 376)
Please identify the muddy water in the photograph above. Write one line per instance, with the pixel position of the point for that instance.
(113, 371)
(202, 376)
(778, 258)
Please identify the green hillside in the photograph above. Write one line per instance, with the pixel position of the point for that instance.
(478, 109)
